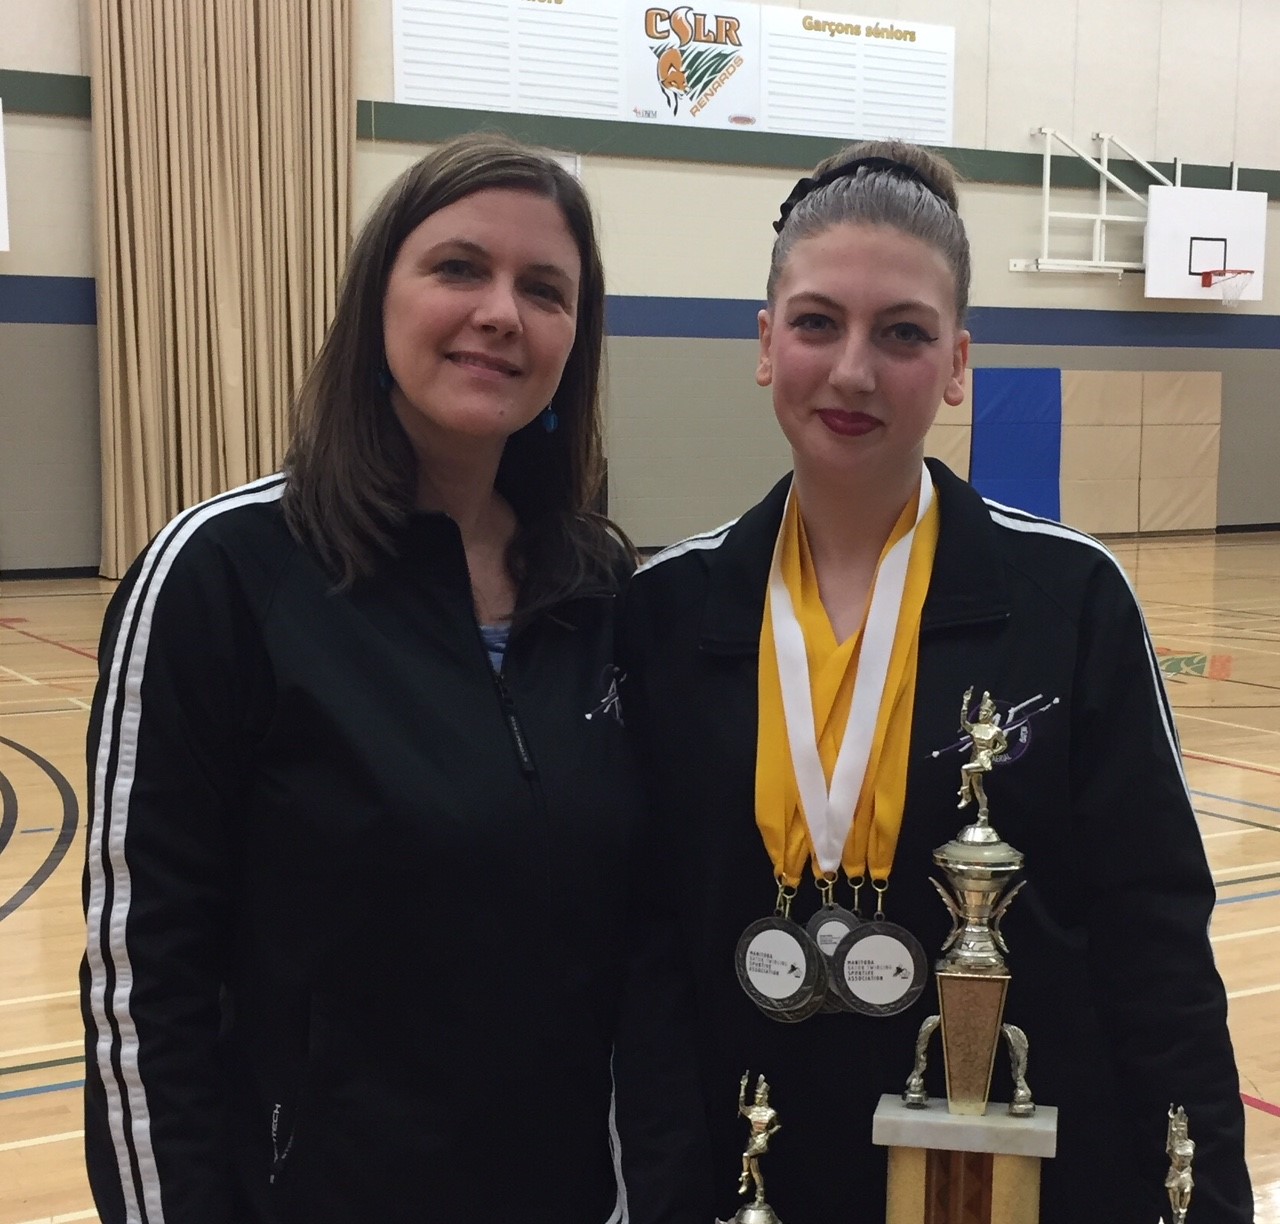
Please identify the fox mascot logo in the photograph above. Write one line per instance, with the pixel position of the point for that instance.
(692, 48)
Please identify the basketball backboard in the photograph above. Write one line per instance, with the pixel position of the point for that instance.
(1194, 230)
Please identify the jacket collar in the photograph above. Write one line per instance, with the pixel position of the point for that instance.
(968, 584)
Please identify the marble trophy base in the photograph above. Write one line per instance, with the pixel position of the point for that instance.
(947, 1168)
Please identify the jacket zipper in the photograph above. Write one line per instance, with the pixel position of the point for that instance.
(527, 767)
(277, 1156)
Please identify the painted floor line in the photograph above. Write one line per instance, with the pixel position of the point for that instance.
(1221, 760)
(42, 1049)
(1257, 990)
(64, 1219)
(41, 998)
(1222, 722)
(1231, 833)
(17, 675)
(64, 1137)
(22, 1068)
(40, 1090)
(1250, 897)
(1272, 930)
(35, 637)
(1221, 871)
(42, 712)
(1249, 803)
(1258, 1103)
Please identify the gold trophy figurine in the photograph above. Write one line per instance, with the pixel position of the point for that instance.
(763, 1119)
(1178, 1181)
(987, 742)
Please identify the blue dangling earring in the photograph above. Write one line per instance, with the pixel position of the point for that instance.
(385, 380)
(550, 422)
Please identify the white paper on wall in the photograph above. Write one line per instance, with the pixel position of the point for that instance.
(4, 190)
(852, 77)
(569, 58)
(559, 58)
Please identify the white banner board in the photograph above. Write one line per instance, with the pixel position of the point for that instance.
(718, 64)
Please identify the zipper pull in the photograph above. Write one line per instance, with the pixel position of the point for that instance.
(513, 725)
(277, 1156)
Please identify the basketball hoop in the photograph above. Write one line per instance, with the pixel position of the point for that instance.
(1231, 281)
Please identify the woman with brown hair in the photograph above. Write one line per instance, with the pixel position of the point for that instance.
(364, 831)
(794, 677)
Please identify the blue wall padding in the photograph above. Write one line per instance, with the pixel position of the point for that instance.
(1016, 455)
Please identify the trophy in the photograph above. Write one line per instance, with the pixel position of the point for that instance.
(966, 1157)
(763, 1121)
(1178, 1181)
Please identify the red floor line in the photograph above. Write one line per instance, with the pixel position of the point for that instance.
(1213, 760)
(51, 642)
(1265, 1106)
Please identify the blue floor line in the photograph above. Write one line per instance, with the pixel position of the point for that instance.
(1250, 897)
(1262, 807)
(40, 1088)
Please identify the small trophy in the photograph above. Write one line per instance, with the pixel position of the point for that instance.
(763, 1120)
(1178, 1181)
(964, 1148)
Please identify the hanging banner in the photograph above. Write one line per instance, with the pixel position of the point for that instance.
(694, 66)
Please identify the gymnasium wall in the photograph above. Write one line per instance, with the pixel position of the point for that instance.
(685, 231)
(49, 480)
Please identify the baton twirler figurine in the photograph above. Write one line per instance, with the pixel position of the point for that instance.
(988, 742)
(1178, 1181)
(763, 1119)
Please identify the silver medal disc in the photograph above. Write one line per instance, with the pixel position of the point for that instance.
(879, 969)
(782, 970)
(827, 928)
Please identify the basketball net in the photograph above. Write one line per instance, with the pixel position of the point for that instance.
(1231, 281)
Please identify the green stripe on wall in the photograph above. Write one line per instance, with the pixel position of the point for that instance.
(51, 93)
(44, 93)
(432, 124)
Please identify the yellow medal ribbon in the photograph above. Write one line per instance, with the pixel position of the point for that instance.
(833, 675)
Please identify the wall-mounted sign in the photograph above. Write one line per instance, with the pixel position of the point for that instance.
(719, 65)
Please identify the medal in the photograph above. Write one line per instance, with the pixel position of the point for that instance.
(782, 970)
(879, 969)
(827, 928)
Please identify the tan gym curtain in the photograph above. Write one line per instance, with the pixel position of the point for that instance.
(223, 135)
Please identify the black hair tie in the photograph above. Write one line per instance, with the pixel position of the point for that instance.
(807, 186)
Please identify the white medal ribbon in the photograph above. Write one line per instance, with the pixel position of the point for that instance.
(829, 814)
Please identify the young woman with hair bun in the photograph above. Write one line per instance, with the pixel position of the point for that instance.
(800, 679)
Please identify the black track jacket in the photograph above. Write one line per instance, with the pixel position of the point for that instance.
(362, 922)
(1113, 977)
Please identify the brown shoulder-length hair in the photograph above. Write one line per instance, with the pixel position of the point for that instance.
(350, 465)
